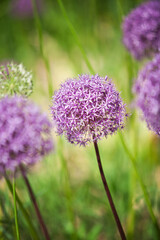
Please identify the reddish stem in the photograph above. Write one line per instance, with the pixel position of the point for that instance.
(119, 225)
(33, 199)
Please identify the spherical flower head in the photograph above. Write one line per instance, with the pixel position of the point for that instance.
(24, 8)
(141, 30)
(24, 133)
(87, 109)
(15, 79)
(147, 90)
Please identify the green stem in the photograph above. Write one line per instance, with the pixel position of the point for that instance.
(120, 10)
(41, 45)
(75, 35)
(131, 214)
(15, 209)
(25, 214)
(133, 180)
(143, 187)
(68, 190)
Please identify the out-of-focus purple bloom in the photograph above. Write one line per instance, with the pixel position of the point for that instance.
(24, 8)
(141, 30)
(24, 133)
(87, 109)
(147, 90)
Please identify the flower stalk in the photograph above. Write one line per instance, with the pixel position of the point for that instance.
(41, 46)
(15, 209)
(143, 187)
(68, 190)
(114, 211)
(75, 36)
(25, 213)
(33, 199)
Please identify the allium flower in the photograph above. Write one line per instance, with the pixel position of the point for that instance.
(24, 8)
(147, 90)
(87, 108)
(14, 79)
(141, 30)
(24, 133)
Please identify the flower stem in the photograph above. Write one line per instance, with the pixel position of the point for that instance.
(15, 209)
(68, 190)
(119, 225)
(41, 45)
(75, 35)
(33, 199)
(25, 214)
(143, 187)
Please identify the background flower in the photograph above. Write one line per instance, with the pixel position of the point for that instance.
(24, 8)
(87, 108)
(147, 90)
(24, 133)
(141, 30)
(14, 79)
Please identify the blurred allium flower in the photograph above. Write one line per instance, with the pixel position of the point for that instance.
(24, 133)
(24, 8)
(14, 79)
(87, 108)
(141, 30)
(147, 90)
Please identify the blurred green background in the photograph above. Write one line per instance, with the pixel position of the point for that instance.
(67, 183)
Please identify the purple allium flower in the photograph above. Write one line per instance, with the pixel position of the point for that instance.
(24, 8)
(147, 90)
(24, 133)
(87, 108)
(141, 30)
